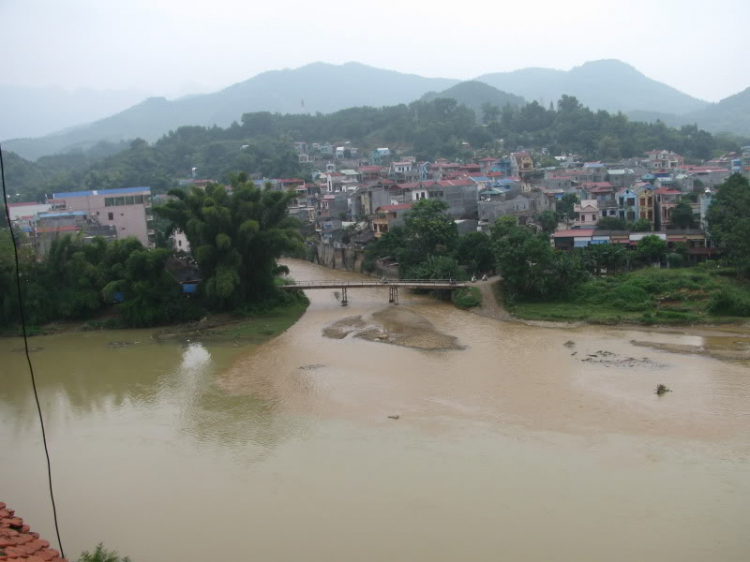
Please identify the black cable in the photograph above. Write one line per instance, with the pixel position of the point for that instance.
(28, 357)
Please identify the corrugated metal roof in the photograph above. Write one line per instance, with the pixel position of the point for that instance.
(115, 191)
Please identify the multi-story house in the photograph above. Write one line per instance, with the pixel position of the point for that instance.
(646, 202)
(388, 216)
(128, 209)
(666, 199)
(663, 160)
(627, 204)
(521, 163)
(587, 212)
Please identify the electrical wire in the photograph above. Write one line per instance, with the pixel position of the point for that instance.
(28, 357)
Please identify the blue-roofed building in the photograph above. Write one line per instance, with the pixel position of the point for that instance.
(126, 209)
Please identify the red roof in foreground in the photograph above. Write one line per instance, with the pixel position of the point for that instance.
(17, 542)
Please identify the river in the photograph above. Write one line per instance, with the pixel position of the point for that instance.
(518, 443)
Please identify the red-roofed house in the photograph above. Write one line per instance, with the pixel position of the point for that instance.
(371, 173)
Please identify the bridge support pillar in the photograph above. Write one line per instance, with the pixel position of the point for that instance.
(393, 295)
(344, 298)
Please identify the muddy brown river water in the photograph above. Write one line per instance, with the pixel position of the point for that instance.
(439, 435)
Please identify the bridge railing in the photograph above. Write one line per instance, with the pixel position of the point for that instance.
(343, 283)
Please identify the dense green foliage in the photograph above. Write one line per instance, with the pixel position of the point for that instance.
(469, 297)
(261, 143)
(548, 221)
(565, 205)
(474, 252)
(427, 231)
(642, 225)
(664, 296)
(77, 280)
(728, 219)
(682, 215)
(236, 238)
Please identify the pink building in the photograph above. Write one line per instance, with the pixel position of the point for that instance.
(128, 209)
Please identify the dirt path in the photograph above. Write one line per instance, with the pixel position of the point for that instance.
(490, 307)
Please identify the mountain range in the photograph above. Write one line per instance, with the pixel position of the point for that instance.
(33, 112)
(320, 87)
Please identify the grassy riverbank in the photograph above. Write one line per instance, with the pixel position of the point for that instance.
(251, 326)
(649, 296)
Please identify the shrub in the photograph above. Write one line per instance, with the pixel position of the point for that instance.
(675, 260)
(729, 301)
(630, 294)
(467, 298)
(101, 554)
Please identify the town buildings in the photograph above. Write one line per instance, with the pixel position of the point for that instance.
(110, 213)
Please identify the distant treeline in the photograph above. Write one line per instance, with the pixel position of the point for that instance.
(262, 143)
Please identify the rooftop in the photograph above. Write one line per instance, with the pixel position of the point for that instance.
(115, 191)
(574, 232)
(399, 207)
(17, 542)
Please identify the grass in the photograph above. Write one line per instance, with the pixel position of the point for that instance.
(262, 326)
(649, 296)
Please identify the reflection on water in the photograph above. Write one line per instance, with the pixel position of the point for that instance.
(509, 445)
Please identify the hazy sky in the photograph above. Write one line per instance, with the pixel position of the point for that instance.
(172, 47)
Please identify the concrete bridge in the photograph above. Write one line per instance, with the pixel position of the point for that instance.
(393, 286)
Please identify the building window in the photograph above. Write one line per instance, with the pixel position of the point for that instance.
(111, 216)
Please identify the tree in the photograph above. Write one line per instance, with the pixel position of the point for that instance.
(436, 267)
(525, 259)
(474, 251)
(651, 248)
(728, 220)
(101, 554)
(236, 238)
(641, 225)
(428, 231)
(565, 206)
(682, 215)
(612, 223)
(548, 221)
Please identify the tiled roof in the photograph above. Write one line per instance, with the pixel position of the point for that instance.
(399, 207)
(17, 542)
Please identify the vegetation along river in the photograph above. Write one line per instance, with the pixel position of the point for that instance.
(374, 432)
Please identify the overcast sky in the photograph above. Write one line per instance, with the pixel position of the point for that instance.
(172, 47)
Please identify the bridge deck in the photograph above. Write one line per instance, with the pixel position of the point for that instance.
(406, 283)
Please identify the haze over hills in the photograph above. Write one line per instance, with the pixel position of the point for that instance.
(325, 88)
(474, 94)
(605, 84)
(317, 87)
(32, 112)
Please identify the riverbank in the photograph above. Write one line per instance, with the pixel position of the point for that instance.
(250, 328)
(648, 297)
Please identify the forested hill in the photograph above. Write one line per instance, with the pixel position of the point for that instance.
(317, 87)
(262, 143)
(605, 84)
(475, 95)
